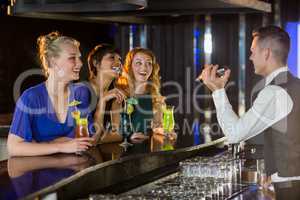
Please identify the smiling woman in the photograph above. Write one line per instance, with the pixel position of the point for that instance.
(105, 65)
(140, 79)
(43, 122)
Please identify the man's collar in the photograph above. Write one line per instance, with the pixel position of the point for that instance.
(271, 76)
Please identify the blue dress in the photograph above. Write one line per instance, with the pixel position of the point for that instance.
(35, 117)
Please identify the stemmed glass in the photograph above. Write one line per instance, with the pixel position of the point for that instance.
(126, 128)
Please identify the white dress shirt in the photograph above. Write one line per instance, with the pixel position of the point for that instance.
(272, 104)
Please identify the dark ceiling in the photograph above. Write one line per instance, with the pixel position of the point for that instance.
(131, 10)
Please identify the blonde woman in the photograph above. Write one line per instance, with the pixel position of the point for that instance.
(43, 122)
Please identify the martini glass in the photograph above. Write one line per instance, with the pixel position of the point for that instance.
(125, 128)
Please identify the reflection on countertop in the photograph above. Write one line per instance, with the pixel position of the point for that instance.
(22, 176)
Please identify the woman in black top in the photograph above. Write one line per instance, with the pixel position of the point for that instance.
(105, 65)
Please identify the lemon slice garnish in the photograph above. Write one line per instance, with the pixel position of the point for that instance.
(130, 109)
(74, 103)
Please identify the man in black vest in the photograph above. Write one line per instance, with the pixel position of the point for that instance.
(275, 112)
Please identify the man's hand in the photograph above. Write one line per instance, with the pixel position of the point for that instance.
(211, 80)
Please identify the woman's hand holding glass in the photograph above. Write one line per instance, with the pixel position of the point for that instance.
(75, 145)
(82, 141)
(114, 93)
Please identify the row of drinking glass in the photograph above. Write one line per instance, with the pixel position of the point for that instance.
(199, 178)
(177, 188)
(193, 188)
(219, 168)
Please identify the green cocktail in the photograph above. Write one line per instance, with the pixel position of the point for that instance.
(168, 126)
(168, 119)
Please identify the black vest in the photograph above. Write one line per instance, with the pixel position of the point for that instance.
(282, 140)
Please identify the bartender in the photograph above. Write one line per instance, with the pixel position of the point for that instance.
(275, 112)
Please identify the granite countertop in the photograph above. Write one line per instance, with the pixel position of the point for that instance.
(75, 176)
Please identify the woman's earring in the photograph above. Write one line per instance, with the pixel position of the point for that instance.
(56, 68)
(61, 73)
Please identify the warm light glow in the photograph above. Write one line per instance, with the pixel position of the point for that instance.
(131, 32)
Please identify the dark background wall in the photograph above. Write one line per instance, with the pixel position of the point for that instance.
(18, 48)
(172, 41)
(171, 38)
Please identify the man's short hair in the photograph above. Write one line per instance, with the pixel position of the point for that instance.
(276, 39)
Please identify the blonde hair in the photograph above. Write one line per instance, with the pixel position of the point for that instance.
(126, 81)
(49, 46)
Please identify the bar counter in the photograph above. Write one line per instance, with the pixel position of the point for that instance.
(103, 169)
